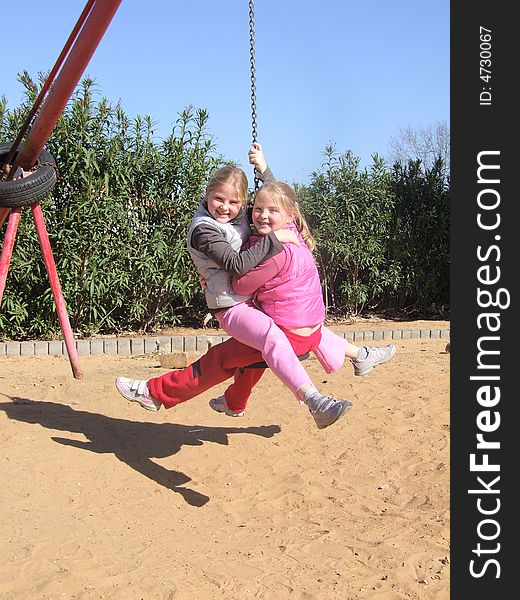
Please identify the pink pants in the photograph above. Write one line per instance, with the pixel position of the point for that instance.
(331, 351)
(251, 326)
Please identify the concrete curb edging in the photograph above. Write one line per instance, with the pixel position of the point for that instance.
(186, 343)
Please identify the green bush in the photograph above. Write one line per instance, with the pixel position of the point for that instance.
(382, 236)
(421, 243)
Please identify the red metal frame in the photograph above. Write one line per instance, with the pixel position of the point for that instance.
(7, 250)
(82, 43)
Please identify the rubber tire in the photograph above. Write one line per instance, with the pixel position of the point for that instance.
(30, 189)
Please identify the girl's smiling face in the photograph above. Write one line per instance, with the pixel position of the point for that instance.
(268, 215)
(223, 202)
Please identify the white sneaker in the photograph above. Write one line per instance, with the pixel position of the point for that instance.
(220, 405)
(375, 356)
(136, 390)
(325, 409)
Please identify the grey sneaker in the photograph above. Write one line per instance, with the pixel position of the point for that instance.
(136, 390)
(325, 409)
(220, 405)
(375, 356)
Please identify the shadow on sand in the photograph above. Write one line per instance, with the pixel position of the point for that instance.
(132, 442)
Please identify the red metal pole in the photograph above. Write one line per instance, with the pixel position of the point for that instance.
(56, 290)
(79, 56)
(7, 250)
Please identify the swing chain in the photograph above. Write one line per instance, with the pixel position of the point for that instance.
(253, 75)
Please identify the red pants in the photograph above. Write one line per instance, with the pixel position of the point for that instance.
(221, 362)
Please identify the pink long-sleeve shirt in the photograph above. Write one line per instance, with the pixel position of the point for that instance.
(287, 286)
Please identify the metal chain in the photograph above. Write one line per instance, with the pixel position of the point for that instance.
(253, 76)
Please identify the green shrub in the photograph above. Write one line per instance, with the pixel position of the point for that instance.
(421, 241)
(383, 236)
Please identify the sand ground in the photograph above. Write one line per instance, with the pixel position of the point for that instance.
(100, 499)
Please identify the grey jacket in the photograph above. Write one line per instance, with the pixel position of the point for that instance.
(215, 250)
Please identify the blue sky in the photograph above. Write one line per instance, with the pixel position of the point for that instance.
(335, 71)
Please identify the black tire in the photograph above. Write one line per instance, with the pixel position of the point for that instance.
(31, 189)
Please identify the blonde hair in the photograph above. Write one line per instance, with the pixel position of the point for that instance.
(285, 198)
(229, 174)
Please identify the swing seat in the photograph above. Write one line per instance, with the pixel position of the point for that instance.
(262, 364)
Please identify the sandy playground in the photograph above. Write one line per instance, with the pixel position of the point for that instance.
(101, 499)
